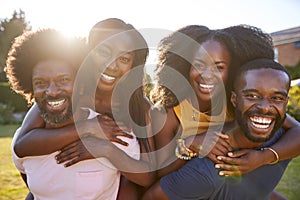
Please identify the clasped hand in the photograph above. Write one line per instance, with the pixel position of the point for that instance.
(95, 140)
(221, 153)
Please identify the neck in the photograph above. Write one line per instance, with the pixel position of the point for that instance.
(204, 107)
(59, 125)
(237, 138)
(103, 102)
(212, 107)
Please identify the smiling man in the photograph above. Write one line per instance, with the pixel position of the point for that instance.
(42, 66)
(260, 108)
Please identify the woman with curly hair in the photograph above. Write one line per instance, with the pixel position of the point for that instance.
(195, 71)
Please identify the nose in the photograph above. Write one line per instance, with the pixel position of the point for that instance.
(52, 89)
(264, 105)
(208, 73)
(113, 65)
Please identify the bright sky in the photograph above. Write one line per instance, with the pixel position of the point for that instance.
(77, 17)
(155, 18)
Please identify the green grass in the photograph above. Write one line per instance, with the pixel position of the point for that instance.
(12, 186)
(290, 182)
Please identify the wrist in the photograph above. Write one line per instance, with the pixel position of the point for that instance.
(272, 157)
(182, 151)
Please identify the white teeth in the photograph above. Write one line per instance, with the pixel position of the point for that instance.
(261, 122)
(56, 103)
(206, 86)
(260, 126)
(107, 77)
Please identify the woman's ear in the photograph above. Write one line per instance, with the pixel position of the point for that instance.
(233, 98)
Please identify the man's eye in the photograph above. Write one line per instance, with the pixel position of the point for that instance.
(251, 96)
(38, 83)
(278, 98)
(65, 80)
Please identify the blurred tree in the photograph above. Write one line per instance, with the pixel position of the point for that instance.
(294, 70)
(9, 29)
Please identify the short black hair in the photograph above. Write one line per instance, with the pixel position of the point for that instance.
(261, 63)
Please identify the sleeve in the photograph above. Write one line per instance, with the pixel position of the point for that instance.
(17, 161)
(198, 179)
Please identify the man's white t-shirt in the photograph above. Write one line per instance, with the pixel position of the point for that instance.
(95, 179)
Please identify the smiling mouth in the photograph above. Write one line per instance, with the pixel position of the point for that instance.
(107, 77)
(261, 122)
(56, 103)
(206, 86)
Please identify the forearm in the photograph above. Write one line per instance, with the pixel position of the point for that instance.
(45, 141)
(288, 145)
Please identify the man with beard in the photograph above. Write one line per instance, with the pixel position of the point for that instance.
(42, 66)
(260, 108)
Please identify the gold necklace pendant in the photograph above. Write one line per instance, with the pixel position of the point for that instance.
(194, 116)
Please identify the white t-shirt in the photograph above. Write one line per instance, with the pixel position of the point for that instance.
(95, 179)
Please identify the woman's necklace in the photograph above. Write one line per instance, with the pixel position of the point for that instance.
(196, 112)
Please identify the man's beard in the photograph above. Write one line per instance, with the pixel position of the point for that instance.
(242, 120)
(55, 117)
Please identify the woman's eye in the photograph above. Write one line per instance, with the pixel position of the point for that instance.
(220, 67)
(104, 53)
(124, 59)
(199, 65)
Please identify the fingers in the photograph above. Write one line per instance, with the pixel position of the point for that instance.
(70, 146)
(213, 157)
(66, 157)
(72, 162)
(124, 134)
(238, 153)
(229, 160)
(221, 135)
(117, 140)
(228, 170)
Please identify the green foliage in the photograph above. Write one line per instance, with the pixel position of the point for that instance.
(148, 85)
(293, 107)
(6, 114)
(9, 29)
(294, 71)
(7, 96)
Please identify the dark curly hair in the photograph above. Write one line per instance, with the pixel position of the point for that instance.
(177, 52)
(32, 47)
(243, 43)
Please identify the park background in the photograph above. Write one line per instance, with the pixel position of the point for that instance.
(76, 18)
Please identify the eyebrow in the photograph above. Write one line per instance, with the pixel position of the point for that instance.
(215, 62)
(284, 93)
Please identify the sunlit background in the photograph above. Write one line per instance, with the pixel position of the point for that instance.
(77, 17)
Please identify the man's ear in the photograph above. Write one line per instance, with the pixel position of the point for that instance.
(233, 98)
